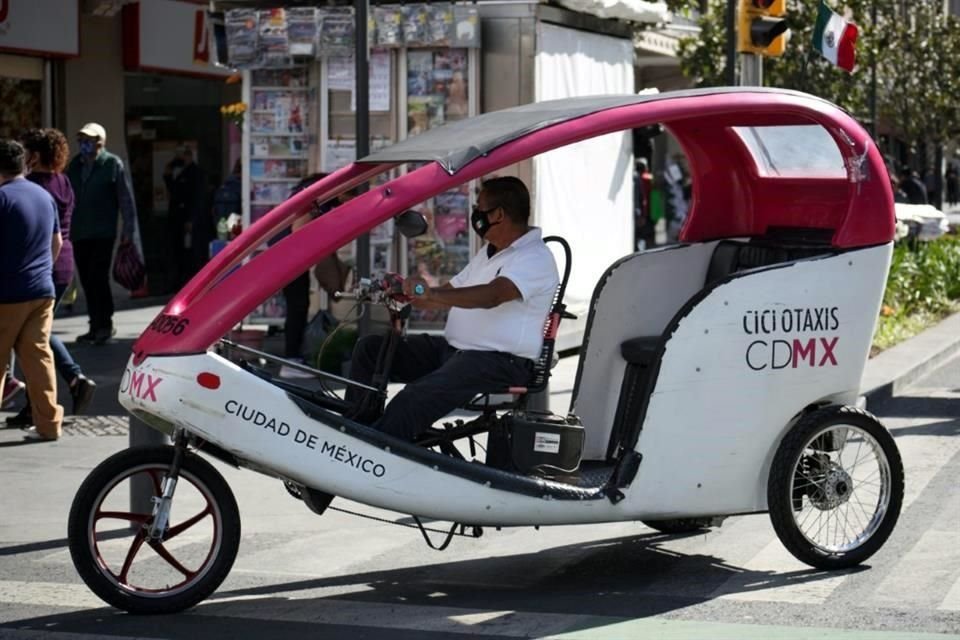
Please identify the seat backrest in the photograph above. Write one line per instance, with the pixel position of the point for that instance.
(731, 256)
(543, 364)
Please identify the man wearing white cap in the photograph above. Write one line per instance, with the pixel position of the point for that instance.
(102, 188)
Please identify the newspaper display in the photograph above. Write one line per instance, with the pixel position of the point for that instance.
(278, 38)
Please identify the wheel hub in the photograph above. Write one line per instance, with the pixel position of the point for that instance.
(834, 490)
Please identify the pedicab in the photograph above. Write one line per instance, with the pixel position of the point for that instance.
(718, 376)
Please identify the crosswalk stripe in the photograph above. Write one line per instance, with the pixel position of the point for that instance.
(695, 630)
(919, 575)
(923, 457)
(49, 594)
(952, 600)
(773, 575)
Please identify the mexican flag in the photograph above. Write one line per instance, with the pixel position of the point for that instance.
(835, 38)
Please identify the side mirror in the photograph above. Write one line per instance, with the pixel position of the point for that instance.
(411, 223)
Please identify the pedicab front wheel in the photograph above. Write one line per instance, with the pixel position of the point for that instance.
(835, 487)
(138, 566)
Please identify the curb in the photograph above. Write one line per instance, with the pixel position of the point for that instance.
(900, 366)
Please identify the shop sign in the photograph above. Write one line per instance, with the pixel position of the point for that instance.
(26, 27)
(167, 35)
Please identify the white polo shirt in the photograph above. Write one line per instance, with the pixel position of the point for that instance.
(513, 327)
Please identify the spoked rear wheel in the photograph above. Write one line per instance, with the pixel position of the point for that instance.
(180, 565)
(835, 488)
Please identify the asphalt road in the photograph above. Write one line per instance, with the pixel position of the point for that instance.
(340, 576)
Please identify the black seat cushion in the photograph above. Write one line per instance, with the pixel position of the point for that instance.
(642, 351)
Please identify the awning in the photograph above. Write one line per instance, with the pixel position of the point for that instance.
(630, 10)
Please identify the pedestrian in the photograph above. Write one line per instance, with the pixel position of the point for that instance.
(189, 227)
(29, 243)
(102, 188)
(899, 195)
(913, 186)
(677, 192)
(47, 154)
(952, 179)
(643, 224)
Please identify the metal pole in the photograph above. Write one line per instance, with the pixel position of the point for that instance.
(731, 70)
(141, 487)
(362, 80)
(751, 71)
(873, 73)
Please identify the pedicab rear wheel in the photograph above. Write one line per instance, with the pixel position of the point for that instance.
(835, 487)
(117, 558)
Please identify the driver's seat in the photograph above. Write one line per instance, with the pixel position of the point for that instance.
(538, 377)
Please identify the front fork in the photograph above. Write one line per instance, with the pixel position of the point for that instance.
(162, 503)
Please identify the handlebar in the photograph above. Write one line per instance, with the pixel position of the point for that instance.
(386, 289)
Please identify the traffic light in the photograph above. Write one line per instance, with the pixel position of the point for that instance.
(761, 27)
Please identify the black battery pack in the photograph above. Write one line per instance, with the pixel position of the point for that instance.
(537, 442)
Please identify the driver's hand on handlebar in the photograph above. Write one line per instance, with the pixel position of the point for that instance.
(417, 288)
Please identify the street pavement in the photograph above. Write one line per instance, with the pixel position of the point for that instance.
(342, 576)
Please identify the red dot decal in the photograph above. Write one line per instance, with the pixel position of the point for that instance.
(208, 380)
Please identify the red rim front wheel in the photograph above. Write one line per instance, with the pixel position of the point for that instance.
(170, 570)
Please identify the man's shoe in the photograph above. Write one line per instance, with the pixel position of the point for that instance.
(82, 393)
(11, 388)
(32, 435)
(86, 338)
(22, 419)
(102, 336)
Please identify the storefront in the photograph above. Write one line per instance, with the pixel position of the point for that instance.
(172, 100)
(430, 64)
(30, 45)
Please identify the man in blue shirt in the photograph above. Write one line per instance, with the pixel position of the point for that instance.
(29, 243)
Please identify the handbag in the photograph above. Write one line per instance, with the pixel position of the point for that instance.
(128, 269)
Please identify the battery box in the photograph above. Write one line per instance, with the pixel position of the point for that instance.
(536, 442)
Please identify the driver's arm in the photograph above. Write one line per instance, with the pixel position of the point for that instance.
(483, 296)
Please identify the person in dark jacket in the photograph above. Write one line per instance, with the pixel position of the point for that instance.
(913, 186)
(102, 188)
(47, 155)
(189, 226)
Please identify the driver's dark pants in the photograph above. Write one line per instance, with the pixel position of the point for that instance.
(439, 379)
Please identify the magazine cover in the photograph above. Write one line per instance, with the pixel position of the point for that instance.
(389, 20)
(336, 32)
(441, 24)
(416, 31)
(466, 26)
(241, 30)
(302, 30)
(273, 45)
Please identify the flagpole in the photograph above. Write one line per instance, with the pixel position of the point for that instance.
(873, 71)
(731, 71)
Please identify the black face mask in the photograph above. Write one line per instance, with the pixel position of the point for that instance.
(480, 222)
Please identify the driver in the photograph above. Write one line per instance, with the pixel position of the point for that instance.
(497, 307)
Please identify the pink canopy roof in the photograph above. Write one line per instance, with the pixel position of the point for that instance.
(731, 196)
